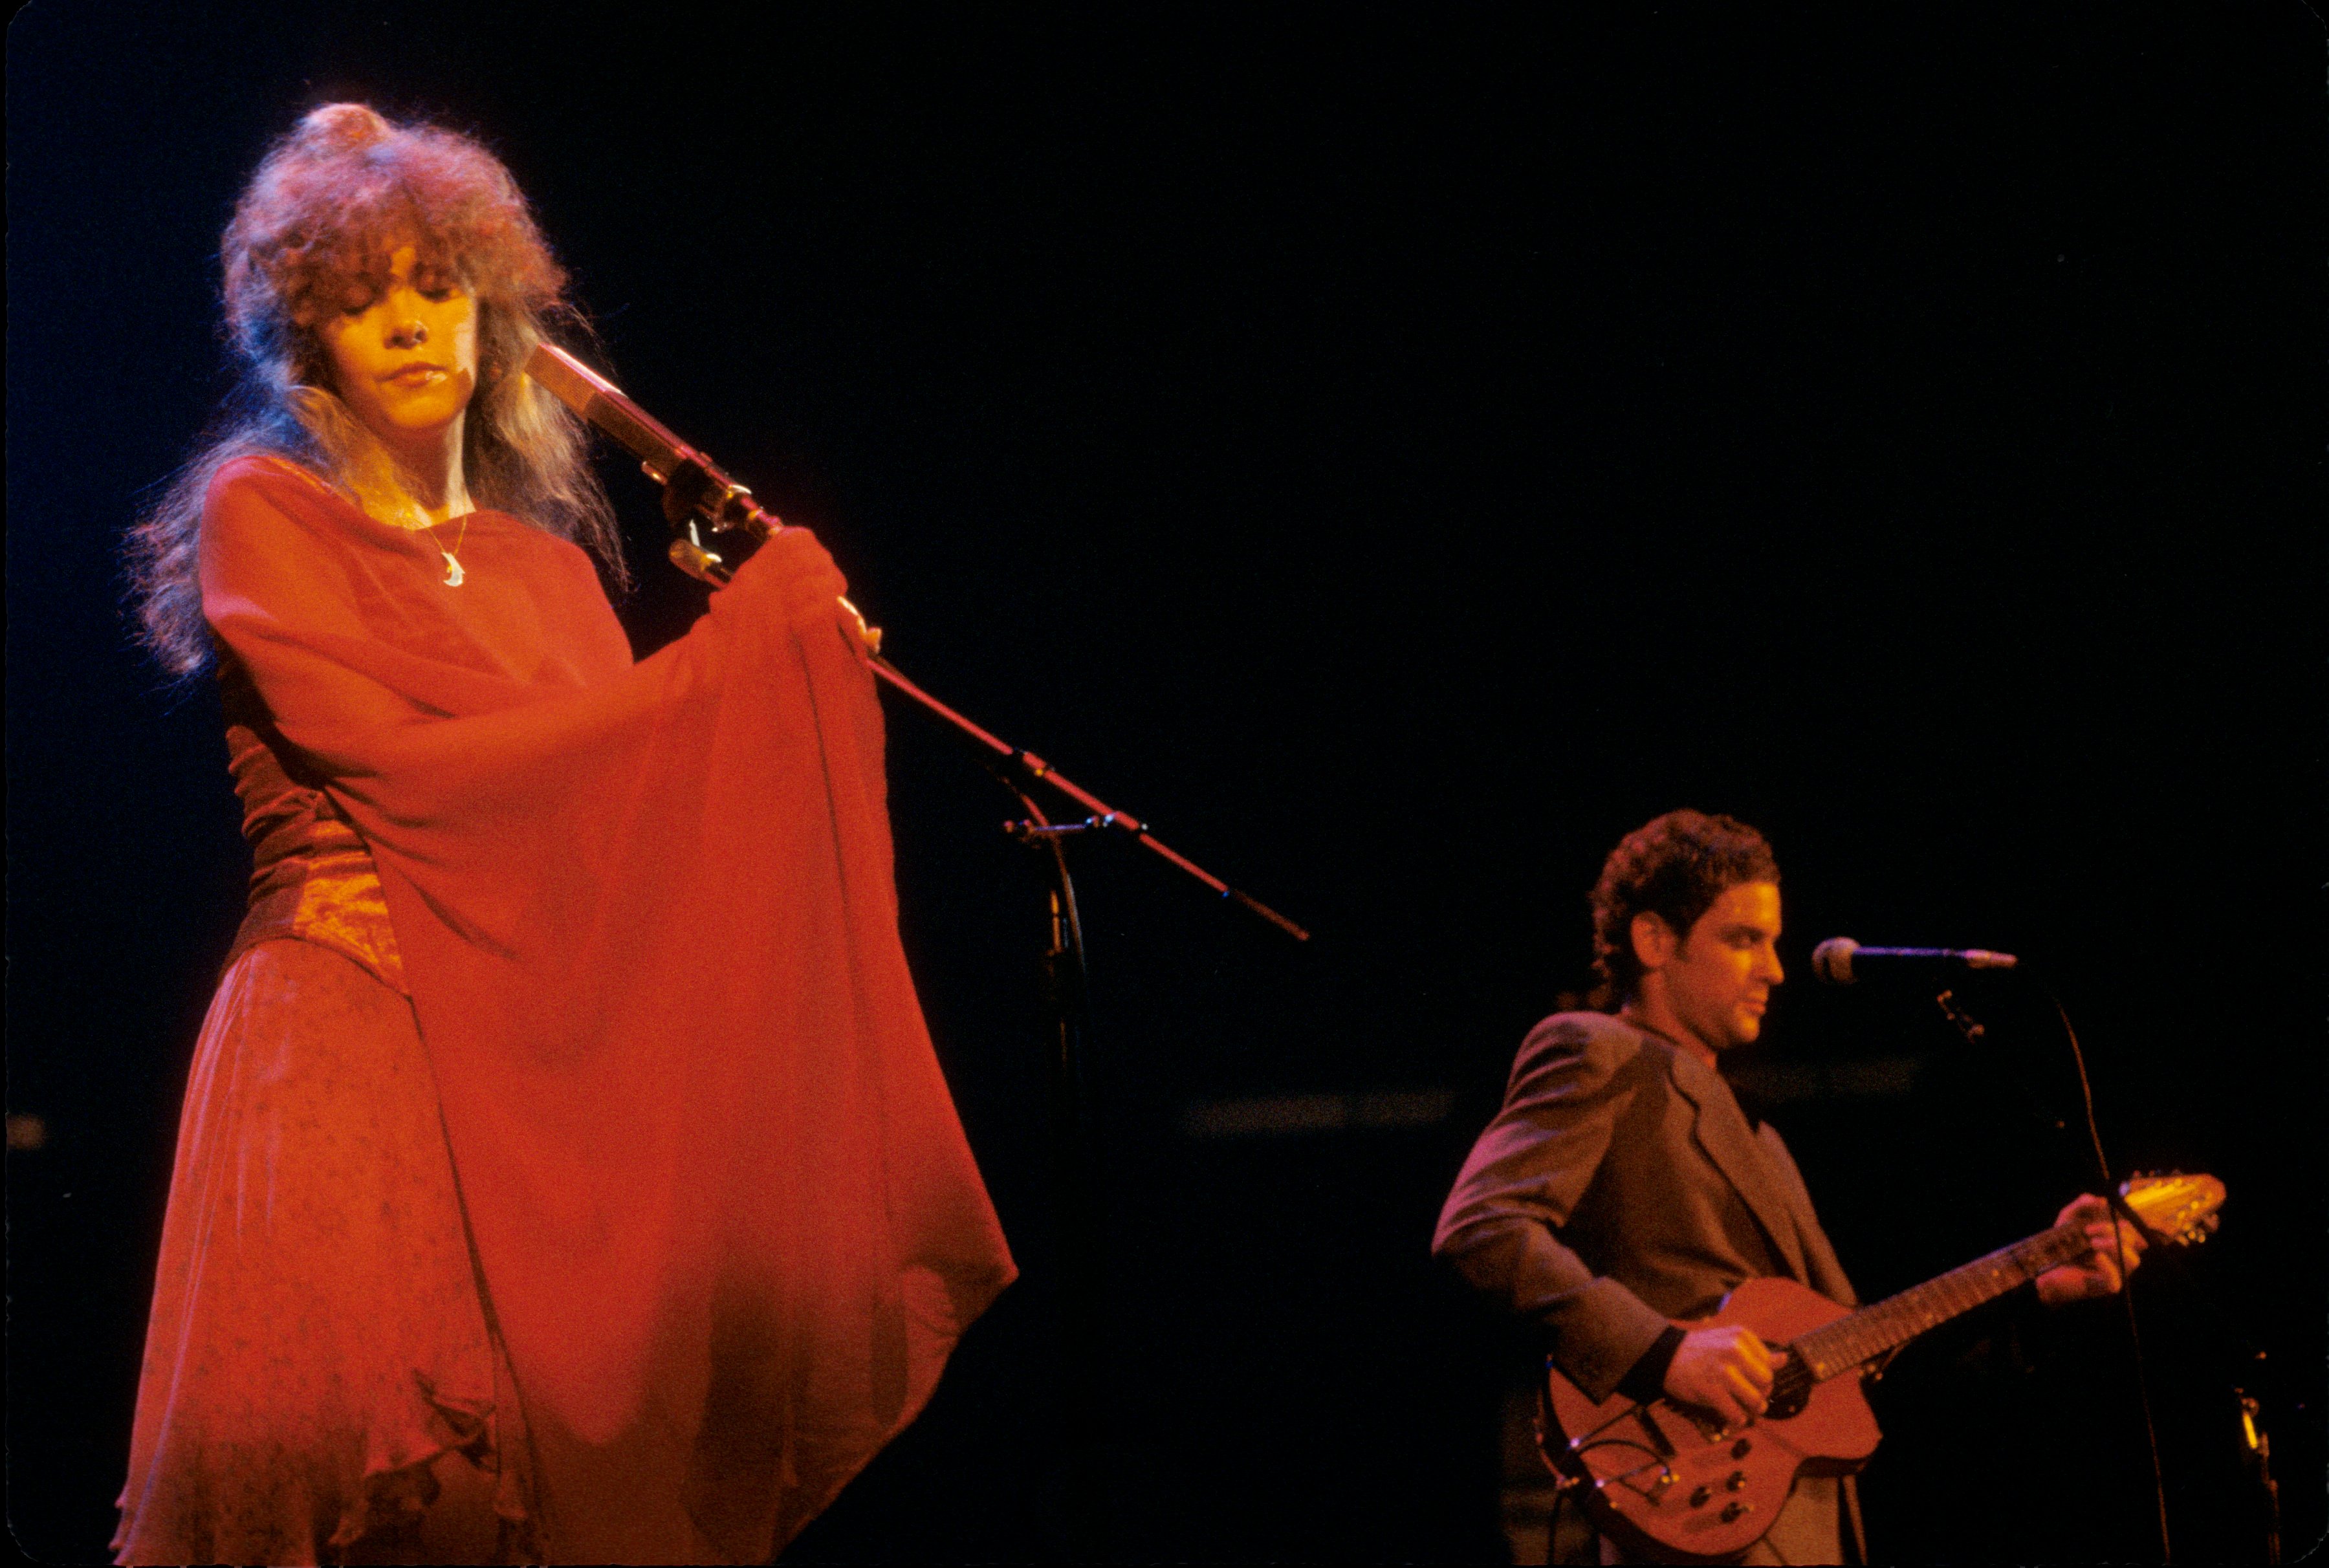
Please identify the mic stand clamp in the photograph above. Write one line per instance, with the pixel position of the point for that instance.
(1964, 1022)
(1974, 1032)
(689, 555)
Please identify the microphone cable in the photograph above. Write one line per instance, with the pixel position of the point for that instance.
(2126, 1276)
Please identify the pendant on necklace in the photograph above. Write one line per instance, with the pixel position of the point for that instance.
(453, 573)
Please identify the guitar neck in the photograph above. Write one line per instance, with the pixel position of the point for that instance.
(1851, 1341)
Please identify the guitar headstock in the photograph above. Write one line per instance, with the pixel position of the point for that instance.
(2175, 1208)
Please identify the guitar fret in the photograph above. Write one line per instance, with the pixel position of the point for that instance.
(1864, 1336)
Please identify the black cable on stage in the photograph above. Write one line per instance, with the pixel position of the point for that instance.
(2126, 1277)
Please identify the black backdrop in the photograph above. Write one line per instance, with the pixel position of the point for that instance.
(1399, 454)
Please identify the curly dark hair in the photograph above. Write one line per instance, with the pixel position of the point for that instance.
(1673, 867)
(309, 234)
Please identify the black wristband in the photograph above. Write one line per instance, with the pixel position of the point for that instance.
(1647, 1380)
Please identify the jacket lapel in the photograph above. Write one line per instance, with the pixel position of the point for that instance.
(1824, 1272)
(1720, 1130)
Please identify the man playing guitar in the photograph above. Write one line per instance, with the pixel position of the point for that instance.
(1621, 1187)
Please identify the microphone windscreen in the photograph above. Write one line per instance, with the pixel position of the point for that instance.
(1832, 960)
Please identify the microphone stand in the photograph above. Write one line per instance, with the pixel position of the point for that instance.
(1077, 1199)
(695, 493)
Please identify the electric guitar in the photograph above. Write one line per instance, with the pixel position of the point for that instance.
(1670, 1482)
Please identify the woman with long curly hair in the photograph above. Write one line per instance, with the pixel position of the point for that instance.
(500, 1229)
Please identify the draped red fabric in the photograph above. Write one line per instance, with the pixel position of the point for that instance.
(715, 1180)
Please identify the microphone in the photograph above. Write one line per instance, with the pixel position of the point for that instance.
(692, 485)
(1841, 961)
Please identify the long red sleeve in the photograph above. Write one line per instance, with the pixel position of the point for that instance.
(647, 916)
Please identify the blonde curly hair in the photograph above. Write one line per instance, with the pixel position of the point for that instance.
(310, 233)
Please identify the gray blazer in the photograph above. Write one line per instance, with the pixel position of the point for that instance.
(1619, 1187)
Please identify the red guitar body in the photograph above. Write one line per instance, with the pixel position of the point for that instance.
(1672, 1484)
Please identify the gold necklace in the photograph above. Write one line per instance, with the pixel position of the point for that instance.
(453, 572)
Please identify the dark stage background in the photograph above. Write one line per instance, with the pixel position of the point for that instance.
(1399, 454)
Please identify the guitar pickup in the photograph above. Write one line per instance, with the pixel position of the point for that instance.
(1711, 1427)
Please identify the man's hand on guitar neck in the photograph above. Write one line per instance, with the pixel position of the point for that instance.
(1725, 1370)
(2097, 1274)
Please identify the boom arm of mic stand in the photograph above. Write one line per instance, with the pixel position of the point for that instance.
(1035, 767)
(691, 558)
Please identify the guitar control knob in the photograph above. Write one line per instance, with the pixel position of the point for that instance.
(1736, 1510)
(1737, 1483)
(1702, 1496)
(1738, 1449)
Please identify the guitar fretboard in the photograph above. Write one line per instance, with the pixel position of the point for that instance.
(1865, 1334)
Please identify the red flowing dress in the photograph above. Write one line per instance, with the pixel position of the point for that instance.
(566, 1106)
